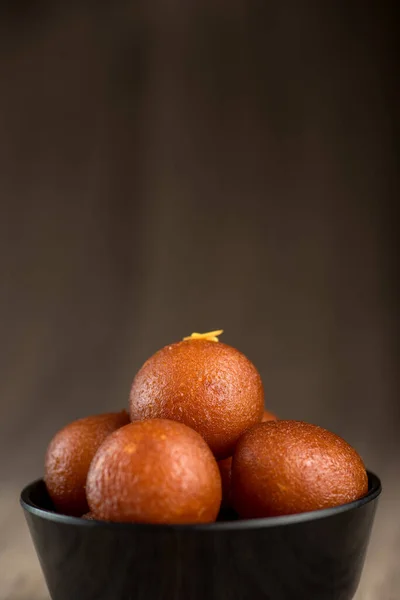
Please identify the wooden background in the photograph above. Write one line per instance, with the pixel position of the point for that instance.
(168, 167)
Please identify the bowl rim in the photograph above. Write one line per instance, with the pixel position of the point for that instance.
(375, 488)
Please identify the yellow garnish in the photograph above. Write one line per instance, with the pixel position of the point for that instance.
(211, 336)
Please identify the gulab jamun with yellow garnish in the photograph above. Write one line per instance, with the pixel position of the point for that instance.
(203, 383)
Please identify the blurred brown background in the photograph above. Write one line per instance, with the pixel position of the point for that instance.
(172, 167)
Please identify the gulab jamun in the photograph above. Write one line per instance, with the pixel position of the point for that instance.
(287, 467)
(268, 416)
(207, 385)
(154, 471)
(88, 516)
(68, 459)
(225, 468)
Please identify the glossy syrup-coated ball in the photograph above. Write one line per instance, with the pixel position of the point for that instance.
(225, 468)
(68, 459)
(206, 385)
(287, 467)
(154, 471)
(268, 416)
(88, 516)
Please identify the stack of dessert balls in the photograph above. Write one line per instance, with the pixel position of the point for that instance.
(196, 446)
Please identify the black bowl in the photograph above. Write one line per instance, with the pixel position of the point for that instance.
(312, 556)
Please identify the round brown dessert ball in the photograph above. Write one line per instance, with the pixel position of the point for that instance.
(68, 459)
(154, 471)
(88, 516)
(287, 467)
(268, 416)
(225, 469)
(206, 385)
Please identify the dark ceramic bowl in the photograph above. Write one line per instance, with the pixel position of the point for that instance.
(312, 556)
